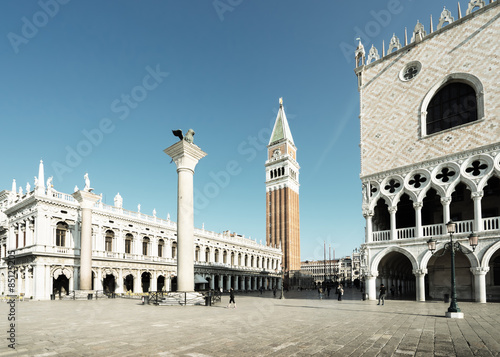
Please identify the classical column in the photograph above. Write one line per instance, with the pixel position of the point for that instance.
(420, 280)
(418, 219)
(212, 285)
(221, 280)
(76, 280)
(368, 214)
(392, 212)
(153, 285)
(236, 282)
(370, 282)
(228, 282)
(480, 283)
(137, 282)
(185, 155)
(86, 200)
(119, 282)
(478, 219)
(98, 280)
(445, 201)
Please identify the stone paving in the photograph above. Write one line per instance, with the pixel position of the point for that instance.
(300, 325)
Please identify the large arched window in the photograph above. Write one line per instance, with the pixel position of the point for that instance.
(455, 104)
(456, 100)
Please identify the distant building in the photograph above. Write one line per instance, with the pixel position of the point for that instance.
(131, 251)
(344, 270)
(282, 194)
(430, 144)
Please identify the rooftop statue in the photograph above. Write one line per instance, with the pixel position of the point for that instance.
(87, 183)
(188, 137)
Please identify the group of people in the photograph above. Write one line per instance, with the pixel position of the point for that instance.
(339, 292)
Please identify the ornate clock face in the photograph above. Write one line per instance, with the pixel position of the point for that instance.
(276, 153)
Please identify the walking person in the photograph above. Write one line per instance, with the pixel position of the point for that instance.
(320, 292)
(381, 295)
(231, 298)
(340, 292)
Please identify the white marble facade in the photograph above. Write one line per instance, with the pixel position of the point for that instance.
(131, 251)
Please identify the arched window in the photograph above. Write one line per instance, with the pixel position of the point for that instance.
(232, 258)
(197, 254)
(452, 105)
(145, 246)
(207, 254)
(161, 243)
(216, 255)
(224, 257)
(108, 247)
(174, 250)
(128, 243)
(61, 230)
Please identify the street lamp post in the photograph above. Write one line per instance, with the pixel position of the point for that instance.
(453, 311)
(282, 281)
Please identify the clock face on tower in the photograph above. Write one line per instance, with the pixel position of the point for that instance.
(276, 153)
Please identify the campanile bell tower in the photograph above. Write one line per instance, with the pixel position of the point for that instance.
(282, 193)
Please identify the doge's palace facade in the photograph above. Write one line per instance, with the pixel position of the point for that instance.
(430, 153)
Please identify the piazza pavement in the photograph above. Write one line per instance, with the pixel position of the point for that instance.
(300, 325)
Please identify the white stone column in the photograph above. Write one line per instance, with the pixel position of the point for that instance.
(228, 282)
(168, 283)
(480, 283)
(98, 285)
(119, 282)
(186, 156)
(153, 285)
(137, 282)
(221, 280)
(420, 283)
(87, 201)
(445, 201)
(370, 285)
(392, 212)
(418, 219)
(39, 282)
(236, 283)
(368, 214)
(478, 219)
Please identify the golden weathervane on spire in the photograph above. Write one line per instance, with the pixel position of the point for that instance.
(281, 101)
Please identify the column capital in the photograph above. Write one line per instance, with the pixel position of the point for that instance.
(185, 155)
(418, 205)
(393, 209)
(368, 213)
(479, 270)
(86, 199)
(445, 200)
(419, 272)
(477, 195)
(371, 274)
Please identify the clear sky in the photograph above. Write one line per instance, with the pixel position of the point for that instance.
(97, 86)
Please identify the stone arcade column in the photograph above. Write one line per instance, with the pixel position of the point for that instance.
(370, 285)
(185, 155)
(478, 221)
(86, 200)
(480, 283)
(392, 212)
(420, 283)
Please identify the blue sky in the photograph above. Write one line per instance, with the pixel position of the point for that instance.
(98, 86)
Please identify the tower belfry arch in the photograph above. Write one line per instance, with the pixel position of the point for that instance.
(282, 193)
